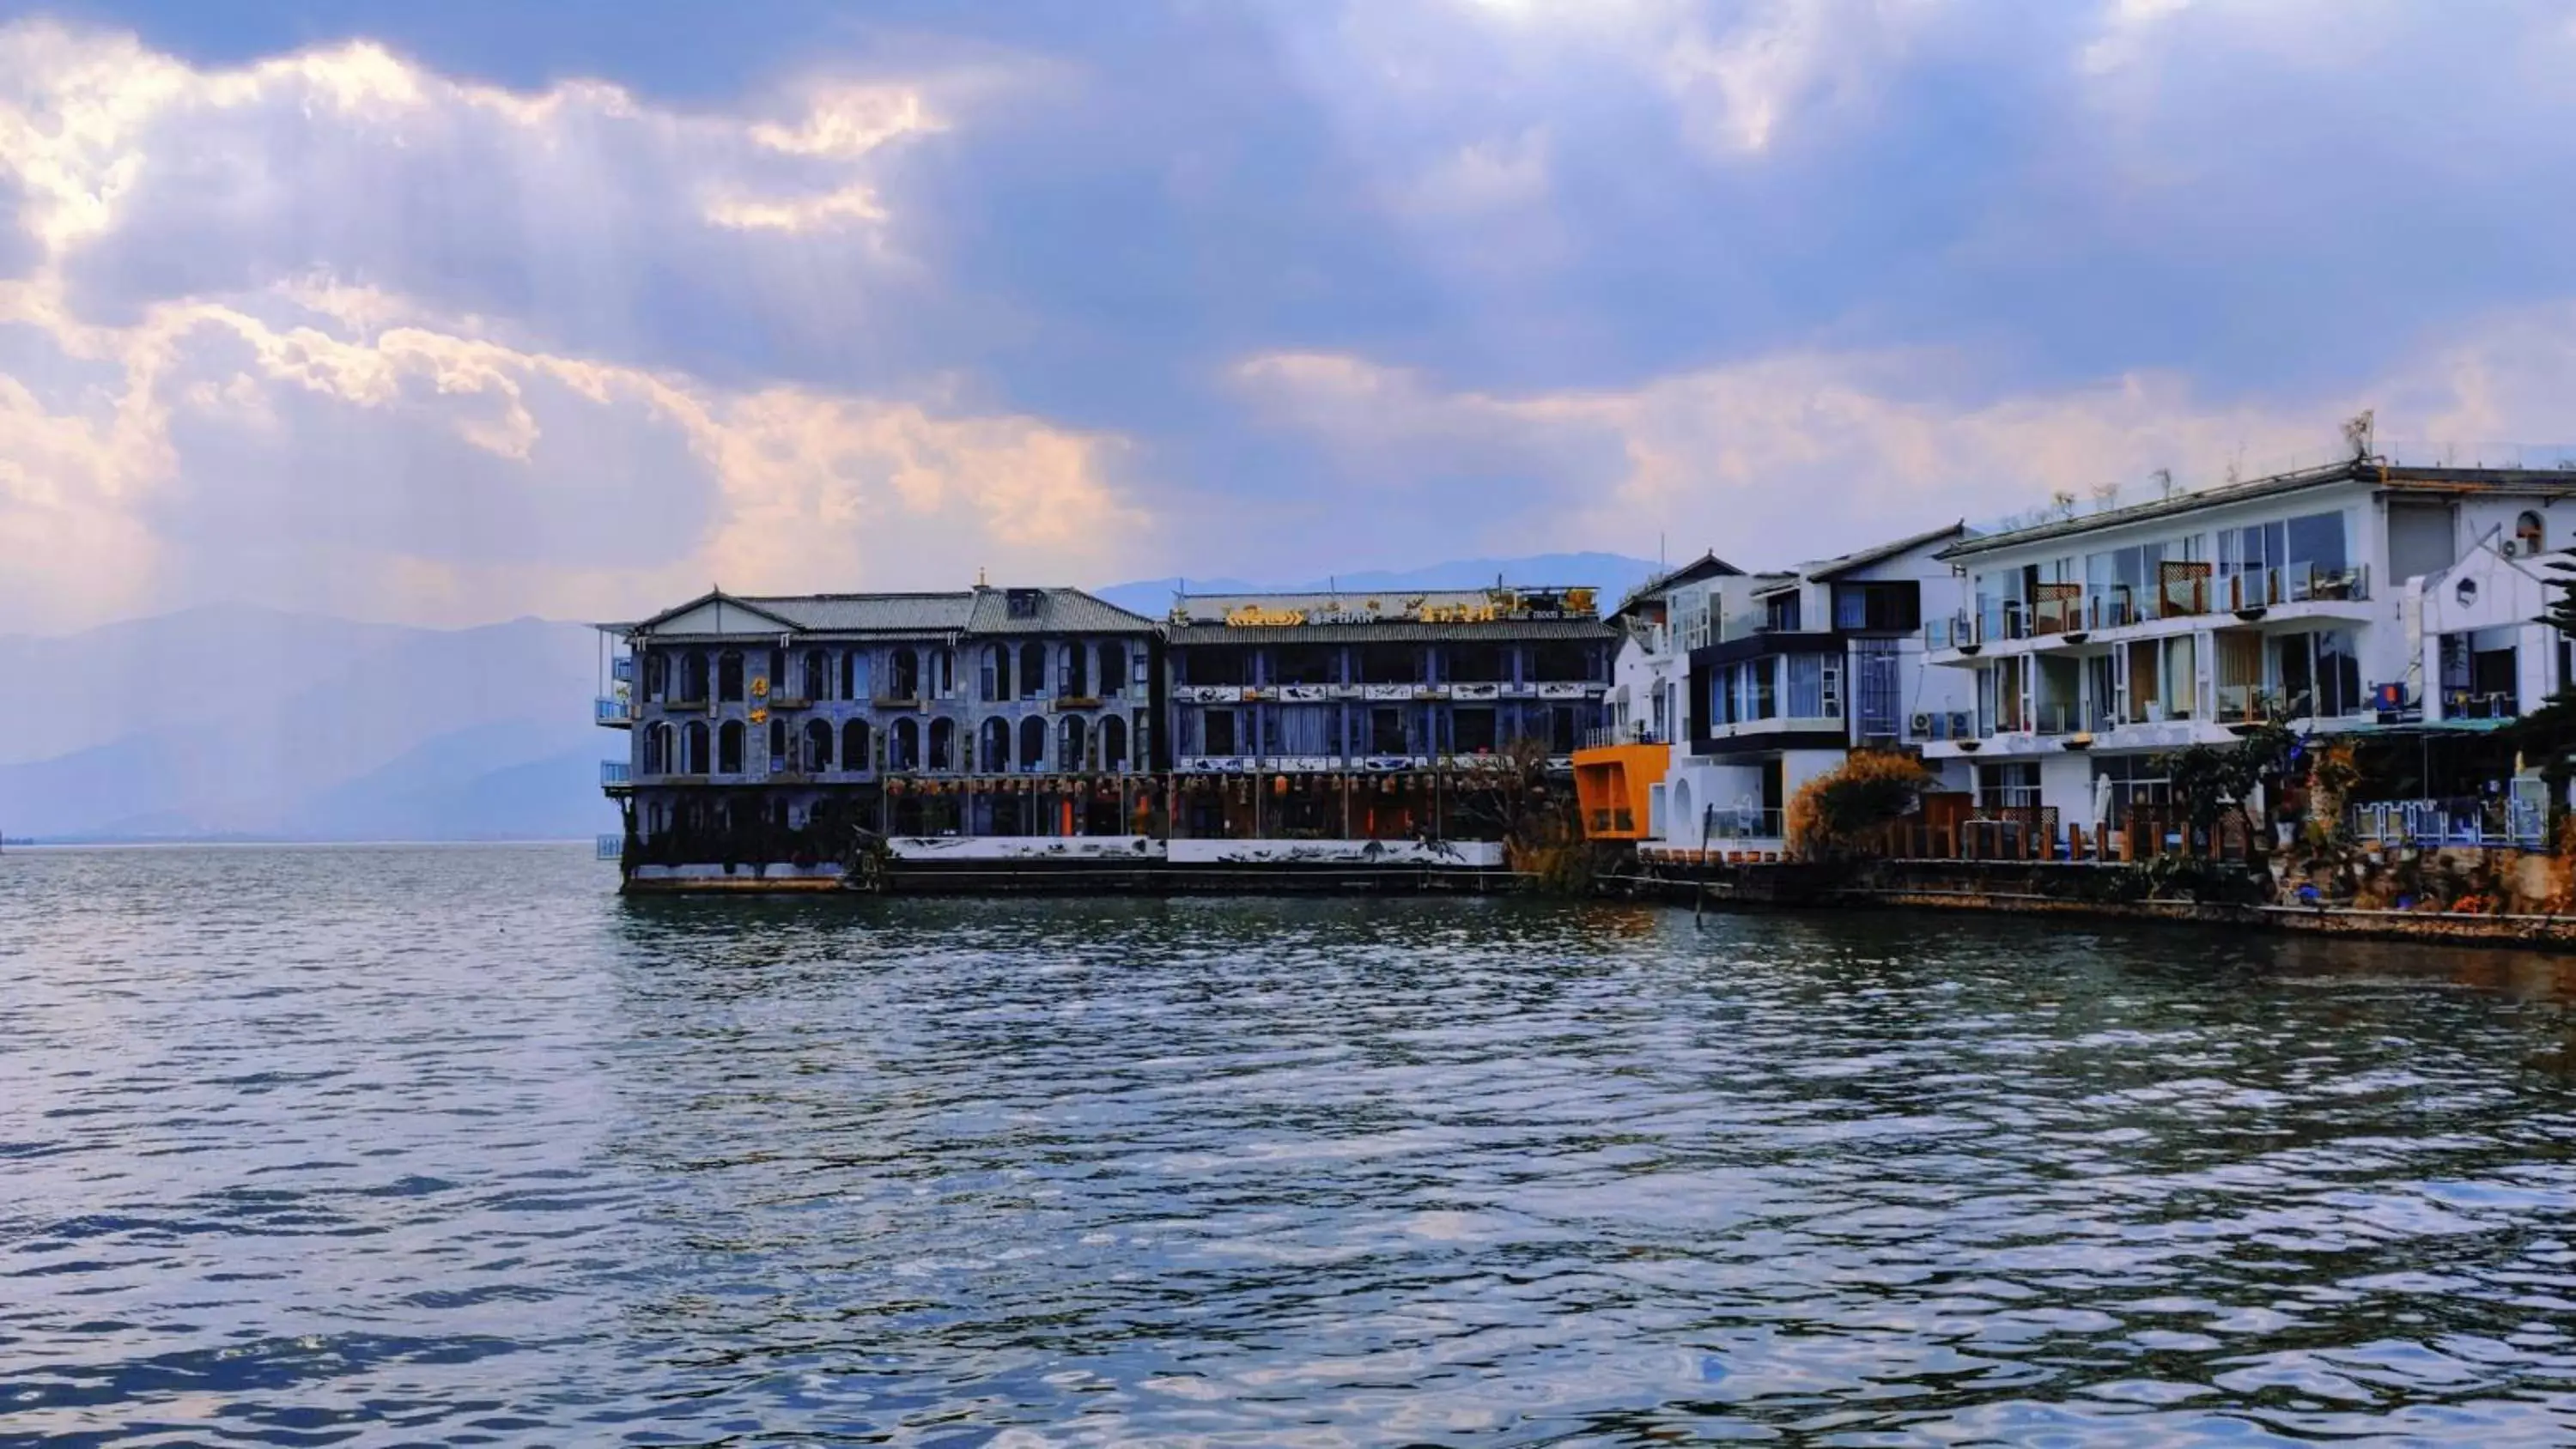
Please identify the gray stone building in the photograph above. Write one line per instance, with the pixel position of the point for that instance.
(762, 728)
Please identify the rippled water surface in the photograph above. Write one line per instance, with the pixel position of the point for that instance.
(409, 1146)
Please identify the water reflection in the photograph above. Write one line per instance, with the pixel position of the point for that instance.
(315, 1144)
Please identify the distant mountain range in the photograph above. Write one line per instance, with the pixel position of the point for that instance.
(233, 722)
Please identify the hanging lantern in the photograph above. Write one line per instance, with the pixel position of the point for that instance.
(1278, 784)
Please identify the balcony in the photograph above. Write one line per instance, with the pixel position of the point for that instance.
(622, 669)
(616, 713)
(2518, 821)
(611, 847)
(615, 774)
(1611, 736)
(1742, 822)
(2119, 606)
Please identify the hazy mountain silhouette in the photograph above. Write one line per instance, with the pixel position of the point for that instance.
(240, 722)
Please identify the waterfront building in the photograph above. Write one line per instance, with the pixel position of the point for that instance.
(2359, 599)
(1787, 673)
(1363, 716)
(762, 728)
(1619, 773)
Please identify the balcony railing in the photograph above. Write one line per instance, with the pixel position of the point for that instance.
(615, 772)
(2461, 704)
(610, 711)
(1606, 736)
(622, 669)
(2519, 821)
(2120, 605)
(612, 847)
(1742, 822)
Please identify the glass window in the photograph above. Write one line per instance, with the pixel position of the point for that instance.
(1806, 686)
(2315, 542)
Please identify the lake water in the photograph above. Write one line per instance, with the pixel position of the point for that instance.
(451, 1145)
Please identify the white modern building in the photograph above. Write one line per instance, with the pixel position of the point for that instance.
(1776, 678)
(2356, 597)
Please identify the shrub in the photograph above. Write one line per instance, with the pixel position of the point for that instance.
(1836, 812)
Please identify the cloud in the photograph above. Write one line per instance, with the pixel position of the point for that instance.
(1809, 454)
(330, 448)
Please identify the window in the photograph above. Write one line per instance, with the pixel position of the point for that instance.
(1780, 613)
(993, 750)
(657, 674)
(1022, 603)
(729, 675)
(1033, 671)
(1217, 664)
(995, 674)
(903, 746)
(1559, 663)
(694, 743)
(1806, 686)
(2007, 786)
(1073, 752)
(1077, 671)
(1033, 742)
(2527, 534)
(2316, 552)
(1217, 732)
(1386, 731)
(943, 744)
(854, 745)
(2124, 781)
(778, 756)
(818, 744)
(904, 679)
(1889, 607)
(1472, 730)
(1477, 663)
(1390, 664)
(1113, 742)
(1113, 668)
(854, 674)
(818, 674)
(729, 745)
(1306, 729)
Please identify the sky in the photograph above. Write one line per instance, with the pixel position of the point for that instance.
(451, 313)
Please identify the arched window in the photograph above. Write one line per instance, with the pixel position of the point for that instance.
(729, 675)
(993, 752)
(818, 674)
(1033, 670)
(943, 744)
(1070, 757)
(1033, 742)
(941, 666)
(906, 683)
(2527, 534)
(778, 757)
(693, 748)
(1077, 670)
(996, 671)
(854, 745)
(729, 748)
(903, 747)
(1113, 668)
(693, 677)
(818, 744)
(1113, 743)
(854, 674)
(657, 674)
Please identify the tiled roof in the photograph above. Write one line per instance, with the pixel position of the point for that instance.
(1060, 611)
(1706, 566)
(924, 613)
(1836, 567)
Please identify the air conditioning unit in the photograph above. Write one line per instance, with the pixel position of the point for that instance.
(1958, 724)
(1923, 724)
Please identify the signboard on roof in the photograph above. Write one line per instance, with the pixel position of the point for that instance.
(1456, 606)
